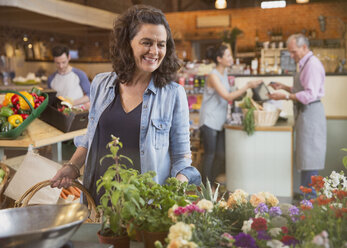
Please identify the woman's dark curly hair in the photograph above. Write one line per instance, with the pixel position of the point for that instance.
(216, 51)
(125, 28)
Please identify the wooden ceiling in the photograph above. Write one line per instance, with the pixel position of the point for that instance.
(23, 19)
(12, 17)
(118, 6)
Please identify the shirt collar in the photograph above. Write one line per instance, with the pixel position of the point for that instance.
(110, 80)
(151, 86)
(113, 76)
(304, 59)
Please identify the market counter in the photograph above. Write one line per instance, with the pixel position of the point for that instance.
(262, 161)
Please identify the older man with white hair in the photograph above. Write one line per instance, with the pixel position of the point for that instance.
(310, 121)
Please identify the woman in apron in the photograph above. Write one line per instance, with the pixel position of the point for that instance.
(310, 121)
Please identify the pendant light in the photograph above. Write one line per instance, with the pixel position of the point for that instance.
(302, 1)
(220, 4)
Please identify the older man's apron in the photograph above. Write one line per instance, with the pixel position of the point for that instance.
(310, 131)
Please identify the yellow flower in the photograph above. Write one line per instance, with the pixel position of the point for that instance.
(171, 213)
(270, 199)
(181, 243)
(237, 198)
(223, 204)
(205, 204)
(180, 230)
(256, 199)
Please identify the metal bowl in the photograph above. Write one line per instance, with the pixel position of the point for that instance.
(40, 226)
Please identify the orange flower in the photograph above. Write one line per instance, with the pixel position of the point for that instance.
(322, 200)
(302, 217)
(305, 207)
(340, 193)
(317, 182)
(305, 190)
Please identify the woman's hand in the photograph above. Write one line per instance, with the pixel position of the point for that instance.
(182, 178)
(254, 84)
(64, 177)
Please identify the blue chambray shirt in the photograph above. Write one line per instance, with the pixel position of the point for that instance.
(164, 131)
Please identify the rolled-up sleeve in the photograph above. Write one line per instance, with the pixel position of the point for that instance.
(83, 140)
(180, 140)
(312, 80)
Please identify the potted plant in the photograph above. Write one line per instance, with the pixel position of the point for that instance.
(153, 218)
(121, 199)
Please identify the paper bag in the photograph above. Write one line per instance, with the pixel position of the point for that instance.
(34, 169)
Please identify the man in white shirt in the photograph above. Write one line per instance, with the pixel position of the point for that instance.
(69, 82)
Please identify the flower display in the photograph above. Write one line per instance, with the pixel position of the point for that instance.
(259, 220)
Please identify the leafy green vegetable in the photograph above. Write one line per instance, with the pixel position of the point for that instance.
(248, 122)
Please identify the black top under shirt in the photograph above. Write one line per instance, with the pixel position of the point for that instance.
(114, 120)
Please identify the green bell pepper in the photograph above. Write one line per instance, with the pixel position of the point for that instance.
(23, 111)
(6, 111)
(6, 127)
(3, 119)
(36, 91)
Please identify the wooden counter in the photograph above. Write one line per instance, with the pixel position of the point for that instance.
(39, 134)
(281, 125)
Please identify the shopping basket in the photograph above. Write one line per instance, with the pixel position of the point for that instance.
(15, 132)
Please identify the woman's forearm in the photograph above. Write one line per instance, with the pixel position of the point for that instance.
(79, 157)
(235, 94)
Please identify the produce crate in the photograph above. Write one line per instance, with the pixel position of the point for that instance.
(65, 123)
(15, 132)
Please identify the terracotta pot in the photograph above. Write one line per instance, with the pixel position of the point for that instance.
(117, 241)
(149, 238)
(138, 236)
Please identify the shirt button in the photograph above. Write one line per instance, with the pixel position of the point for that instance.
(145, 106)
(143, 127)
(161, 126)
(142, 152)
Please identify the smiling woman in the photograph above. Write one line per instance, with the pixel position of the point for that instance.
(139, 103)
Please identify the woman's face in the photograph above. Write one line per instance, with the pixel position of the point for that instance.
(227, 59)
(149, 47)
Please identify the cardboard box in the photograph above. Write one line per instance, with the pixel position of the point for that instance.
(66, 123)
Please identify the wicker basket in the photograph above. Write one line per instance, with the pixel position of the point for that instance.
(24, 200)
(3, 184)
(264, 118)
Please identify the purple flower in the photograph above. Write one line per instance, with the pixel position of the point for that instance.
(244, 240)
(261, 208)
(275, 211)
(306, 203)
(263, 235)
(294, 212)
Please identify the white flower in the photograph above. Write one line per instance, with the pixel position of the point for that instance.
(344, 183)
(274, 232)
(205, 204)
(335, 178)
(321, 240)
(180, 231)
(246, 228)
(275, 244)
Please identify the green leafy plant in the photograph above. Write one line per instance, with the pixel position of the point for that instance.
(230, 37)
(248, 121)
(121, 200)
(344, 160)
(153, 217)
